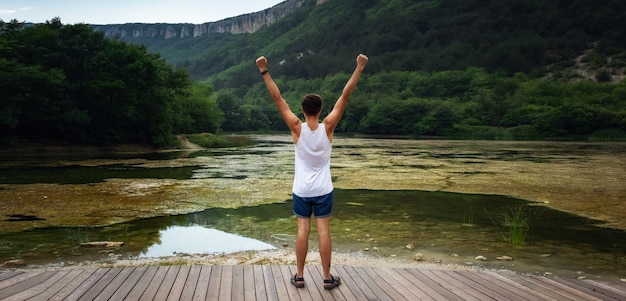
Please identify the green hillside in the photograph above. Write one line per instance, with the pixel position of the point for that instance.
(477, 69)
(472, 68)
(533, 37)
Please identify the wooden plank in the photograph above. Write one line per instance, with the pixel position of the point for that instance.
(191, 284)
(346, 285)
(344, 288)
(416, 280)
(166, 285)
(142, 283)
(563, 289)
(179, 283)
(128, 284)
(270, 284)
(541, 287)
(447, 286)
(279, 282)
(94, 288)
(249, 285)
(113, 285)
(6, 275)
(18, 278)
(87, 284)
(259, 283)
(488, 287)
(360, 284)
(596, 289)
(618, 290)
(203, 283)
(316, 280)
(54, 290)
(397, 282)
(311, 287)
(413, 292)
(464, 290)
(237, 287)
(226, 285)
(34, 290)
(513, 286)
(581, 290)
(294, 292)
(80, 285)
(155, 284)
(355, 292)
(380, 289)
(433, 288)
(390, 290)
(215, 279)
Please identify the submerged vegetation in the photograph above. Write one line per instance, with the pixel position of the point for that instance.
(513, 225)
(208, 140)
(516, 220)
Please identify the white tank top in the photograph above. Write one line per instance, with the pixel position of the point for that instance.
(312, 169)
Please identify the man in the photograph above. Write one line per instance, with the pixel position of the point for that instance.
(312, 185)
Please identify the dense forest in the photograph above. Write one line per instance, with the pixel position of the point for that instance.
(67, 83)
(477, 69)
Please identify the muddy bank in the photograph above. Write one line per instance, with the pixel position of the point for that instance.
(273, 257)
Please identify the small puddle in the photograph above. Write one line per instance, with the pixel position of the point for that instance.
(200, 240)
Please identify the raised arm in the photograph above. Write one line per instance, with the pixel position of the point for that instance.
(292, 121)
(334, 116)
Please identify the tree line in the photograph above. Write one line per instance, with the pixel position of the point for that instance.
(68, 83)
(470, 104)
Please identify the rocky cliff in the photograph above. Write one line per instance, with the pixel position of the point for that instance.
(247, 23)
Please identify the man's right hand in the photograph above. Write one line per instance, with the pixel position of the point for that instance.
(261, 62)
(361, 60)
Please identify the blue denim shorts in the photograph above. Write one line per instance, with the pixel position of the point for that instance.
(321, 205)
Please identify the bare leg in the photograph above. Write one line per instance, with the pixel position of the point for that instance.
(323, 231)
(302, 244)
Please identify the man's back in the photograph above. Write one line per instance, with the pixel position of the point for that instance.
(312, 165)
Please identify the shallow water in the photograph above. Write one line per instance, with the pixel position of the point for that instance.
(444, 227)
(394, 198)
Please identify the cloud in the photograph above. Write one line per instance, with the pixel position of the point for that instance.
(7, 11)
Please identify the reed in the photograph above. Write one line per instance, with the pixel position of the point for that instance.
(514, 225)
(516, 222)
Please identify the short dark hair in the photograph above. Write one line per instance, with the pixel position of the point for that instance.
(312, 104)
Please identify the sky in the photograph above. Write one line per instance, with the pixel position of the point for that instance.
(129, 11)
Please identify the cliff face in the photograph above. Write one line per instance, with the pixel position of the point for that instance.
(247, 23)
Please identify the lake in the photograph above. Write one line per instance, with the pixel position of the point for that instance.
(446, 200)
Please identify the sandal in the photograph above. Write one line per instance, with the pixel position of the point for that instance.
(297, 282)
(334, 282)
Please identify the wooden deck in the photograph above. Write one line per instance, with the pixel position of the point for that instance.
(271, 282)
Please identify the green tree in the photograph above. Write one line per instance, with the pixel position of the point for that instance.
(67, 82)
(197, 111)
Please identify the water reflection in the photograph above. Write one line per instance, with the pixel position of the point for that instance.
(200, 240)
(444, 227)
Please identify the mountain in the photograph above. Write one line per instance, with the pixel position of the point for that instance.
(554, 39)
(247, 23)
(182, 44)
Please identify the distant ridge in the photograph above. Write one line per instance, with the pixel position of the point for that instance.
(247, 23)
